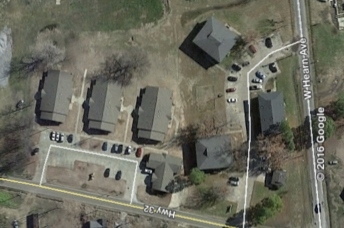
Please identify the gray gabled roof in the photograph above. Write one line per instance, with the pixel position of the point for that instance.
(154, 113)
(165, 166)
(279, 178)
(95, 224)
(215, 39)
(213, 152)
(104, 106)
(271, 109)
(56, 96)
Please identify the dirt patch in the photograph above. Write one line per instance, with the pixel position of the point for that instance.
(146, 198)
(78, 178)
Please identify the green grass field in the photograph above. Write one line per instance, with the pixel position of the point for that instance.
(9, 200)
(26, 20)
(285, 83)
(328, 46)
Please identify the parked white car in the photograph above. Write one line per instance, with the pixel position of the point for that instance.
(257, 80)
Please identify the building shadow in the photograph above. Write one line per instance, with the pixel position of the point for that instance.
(189, 157)
(193, 51)
(236, 220)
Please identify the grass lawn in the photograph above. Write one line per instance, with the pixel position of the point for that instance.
(286, 84)
(297, 207)
(328, 46)
(220, 209)
(10, 200)
(26, 20)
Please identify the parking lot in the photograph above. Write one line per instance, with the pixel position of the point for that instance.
(235, 110)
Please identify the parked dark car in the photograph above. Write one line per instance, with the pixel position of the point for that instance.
(139, 152)
(232, 79)
(272, 67)
(236, 67)
(120, 149)
(35, 151)
(229, 90)
(233, 181)
(114, 148)
(245, 64)
(260, 75)
(118, 175)
(70, 138)
(268, 42)
(104, 146)
(107, 172)
(333, 162)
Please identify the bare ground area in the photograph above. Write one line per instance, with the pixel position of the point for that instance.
(162, 201)
(74, 214)
(79, 178)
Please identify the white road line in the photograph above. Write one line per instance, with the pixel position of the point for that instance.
(82, 93)
(299, 17)
(249, 121)
(97, 154)
(314, 162)
(45, 163)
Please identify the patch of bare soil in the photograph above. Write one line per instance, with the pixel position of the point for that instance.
(78, 177)
(146, 198)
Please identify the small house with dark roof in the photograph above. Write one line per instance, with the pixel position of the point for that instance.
(154, 114)
(104, 105)
(271, 110)
(32, 221)
(213, 153)
(164, 167)
(55, 96)
(100, 223)
(278, 179)
(215, 39)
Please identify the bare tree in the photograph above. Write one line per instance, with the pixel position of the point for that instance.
(45, 53)
(121, 68)
(272, 147)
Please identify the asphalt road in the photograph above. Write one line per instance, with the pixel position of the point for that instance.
(318, 195)
(107, 202)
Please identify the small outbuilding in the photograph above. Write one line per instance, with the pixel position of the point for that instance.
(278, 179)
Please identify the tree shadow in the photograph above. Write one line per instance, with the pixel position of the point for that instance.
(193, 51)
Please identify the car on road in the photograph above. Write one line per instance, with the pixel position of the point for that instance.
(148, 171)
(107, 172)
(260, 75)
(272, 67)
(246, 63)
(232, 79)
(257, 80)
(268, 42)
(118, 175)
(139, 152)
(53, 136)
(229, 90)
(232, 100)
(317, 208)
(256, 87)
(104, 146)
(236, 67)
